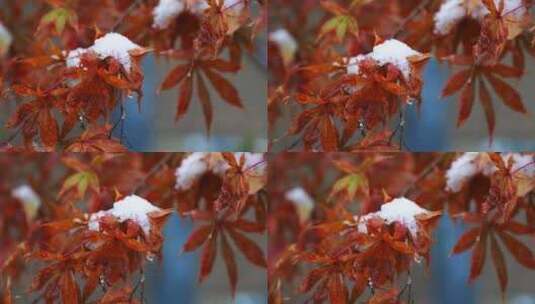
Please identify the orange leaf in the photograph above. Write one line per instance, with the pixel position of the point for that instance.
(184, 98)
(499, 263)
(486, 103)
(456, 82)
(204, 97)
(248, 226)
(478, 255)
(311, 279)
(230, 263)
(48, 128)
(467, 103)
(69, 289)
(197, 238)
(225, 89)
(520, 252)
(328, 134)
(510, 96)
(208, 258)
(175, 76)
(337, 289)
(251, 251)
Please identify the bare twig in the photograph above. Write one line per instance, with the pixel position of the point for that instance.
(125, 14)
(153, 171)
(407, 19)
(428, 170)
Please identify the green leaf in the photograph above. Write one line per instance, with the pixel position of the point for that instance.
(350, 184)
(341, 25)
(59, 16)
(82, 181)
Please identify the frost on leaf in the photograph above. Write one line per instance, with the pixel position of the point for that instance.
(29, 198)
(453, 11)
(112, 45)
(400, 210)
(302, 201)
(132, 208)
(472, 163)
(5, 40)
(286, 44)
(392, 52)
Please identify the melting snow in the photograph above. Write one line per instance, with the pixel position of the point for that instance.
(473, 163)
(286, 43)
(111, 45)
(400, 210)
(391, 51)
(29, 198)
(197, 164)
(190, 170)
(302, 201)
(5, 39)
(165, 12)
(132, 208)
(453, 11)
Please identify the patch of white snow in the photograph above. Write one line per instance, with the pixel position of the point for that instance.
(400, 210)
(302, 201)
(392, 52)
(29, 198)
(110, 45)
(132, 208)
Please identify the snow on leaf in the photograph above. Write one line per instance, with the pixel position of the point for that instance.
(165, 12)
(392, 52)
(132, 208)
(5, 40)
(302, 201)
(286, 44)
(29, 198)
(453, 11)
(472, 163)
(399, 210)
(110, 45)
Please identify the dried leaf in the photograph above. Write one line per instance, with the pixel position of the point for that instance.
(184, 98)
(230, 263)
(467, 103)
(499, 263)
(198, 237)
(456, 82)
(204, 97)
(251, 251)
(175, 76)
(225, 89)
(510, 96)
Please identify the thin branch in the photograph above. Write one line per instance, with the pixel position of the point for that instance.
(153, 171)
(428, 170)
(127, 12)
(409, 18)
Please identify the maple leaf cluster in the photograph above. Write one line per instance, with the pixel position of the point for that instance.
(345, 71)
(85, 225)
(65, 66)
(344, 229)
